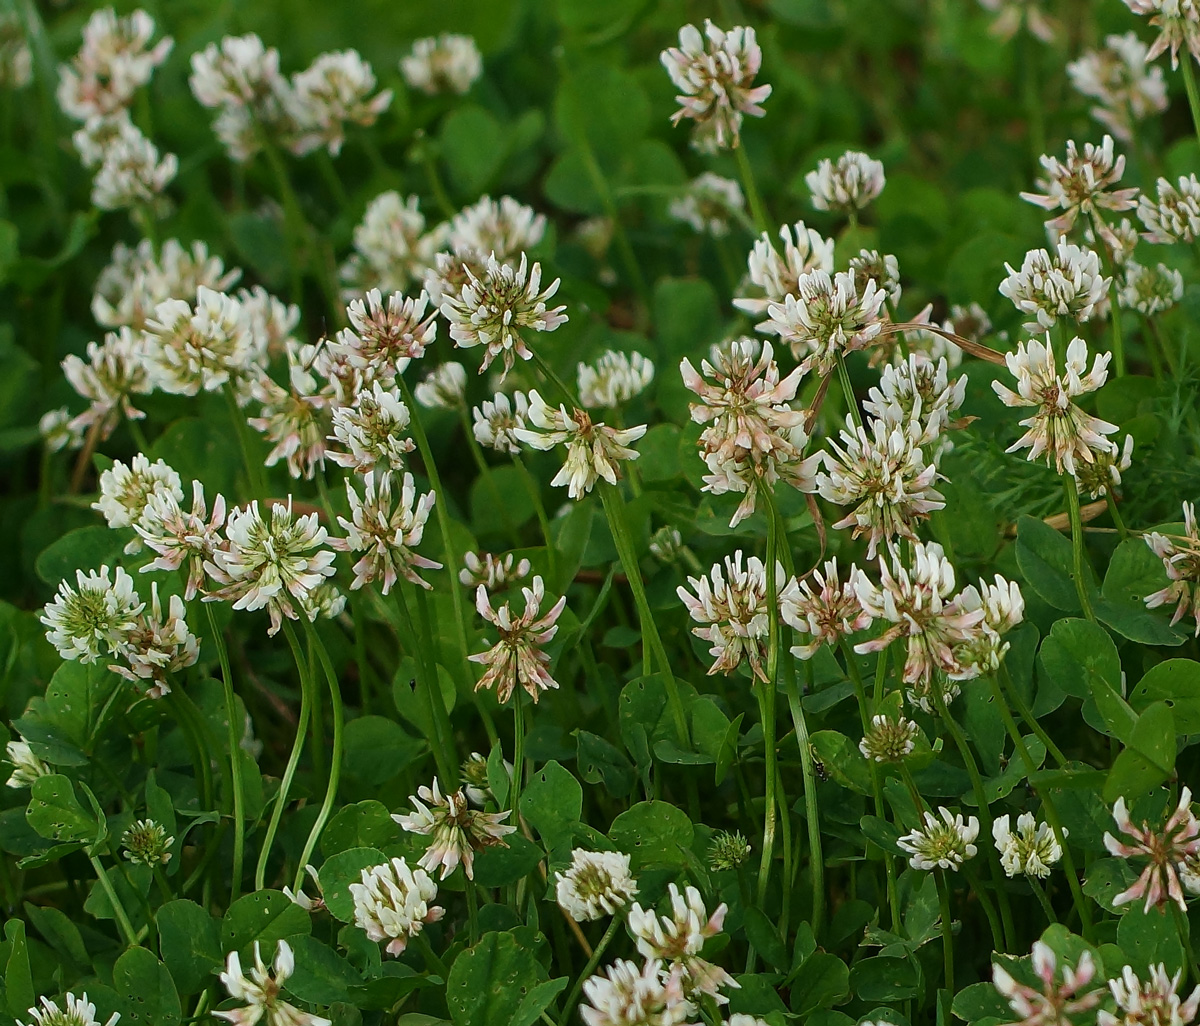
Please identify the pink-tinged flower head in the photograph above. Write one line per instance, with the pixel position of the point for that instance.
(1058, 999)
(261, 989)
(716, 82)
(493, 572)
(1173, 843)
(180, 537)
(112, 374)
(679, 938)
(1178, 24)
(157, 646)
(849, 183)
(294, 417)
(393, 903)
(1153, 1001)
(777, 271)
(384, 336)
(1127, 88)
(827, 613)
(518, 657)
(1173, 215)
(1082, 184)
(456, 831)
(625, 995)
(1181, 559)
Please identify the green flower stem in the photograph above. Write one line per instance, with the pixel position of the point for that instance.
(514, 791)
(188, 717)
(761, 221)
(431, 957)
(472, 911)
(420, 646)
(139, 436)
(295, 228)
(985, 816)
(880, 675)
(330, 176)
(590, 968)
(1039, 892)
(436, 186)
(289, 774)
(335, 767)
(766, 693)
(119, 914)
(441, 716)
(989, 909)
(235, 761)
(1184, 928)
(254, 469)
(566, 391)
(1031, 721)
(1077, 546)
(1189, 83)
(1109, 265)
(848, 391)
(539, 508)
(1052, 817)
(943, 889)
(1115, 513)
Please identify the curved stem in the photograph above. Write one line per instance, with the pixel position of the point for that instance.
(848, 391)
(119, 914)
(1039, 892)
(1115, 513)
(757, 210)
(235, 760)
(943, 889)
(1077, 553)
(590, 968)
(989, 909)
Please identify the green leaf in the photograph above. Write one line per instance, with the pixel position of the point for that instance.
(377, 749)
(265, 916)
(19, 992)
(1148, 759)
(688, 316)
(763, 935)
(85, 548)
(882, 832)
(474, 147)
(1080, 658)
(604, 105)
(1133, 573)
(190, 943)
(147, 992)
(884, 978)
(322, 976)
(503, 865)
(653, 834)
(489, 983)
(339, 872)
(598, 760)
(1175, 683)
(552, 802)
(61, 934)
(365, 824)
(842, 760)
(1047, 563)
(980, 1001)
(1148, 938)
(821, 982)
(55, 812)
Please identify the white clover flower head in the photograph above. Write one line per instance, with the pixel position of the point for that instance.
(114, 61)
(1169, 847)
(1057, 429)
(492, 572)
(708, 204)
(678, 939)
(126, 490)
(1029, 850)
(132, 175)
(777, 272)
(181, 538)
(1067, 283)
(1173, 215)
(277, 563)
(1178, 24)
(261, 989)
(112, 374)
(716, 82)
(971, 322)
(498, 419)
(731, 607)
(1120, 239)
(237, 71)
(146, 843)
(613, 379)
(505, 227)
(386, 532)
(944, 843)
(157, 646)
(519, 656)
(918, 390)
(494, 308)
(1181, 559)
(883, 473)
(456, 831)
(827, 317)
(332, 91)
(27, 767)
(1150, 290)
(392, 250)
(449, 63)
(372, 431)
(100, 133)
(1082, 183)
(443, 388)
(1103, 475)
(1013, 14)
(76, 1011)
(1059, 998)
(271, 322)
(849, 183)
(597, 884)
(625, 995)
(295, 417)
(666, 544)
(984, 647)
(594, 450)
(93, 617)
(1153, 1000)
(382, 340)
(889, 740)
(393, 902)
(827, 613)
(1128, 89)
(59, 431)
(199, 346)
(882, 269)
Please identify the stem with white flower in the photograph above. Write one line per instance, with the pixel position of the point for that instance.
(119, 914)
(1039, 892)
(848, 391)
(235, 759)
(421, 648)
(514, 791)
(1072, 490)
(757, 210)
(590, 968)
(943, 889)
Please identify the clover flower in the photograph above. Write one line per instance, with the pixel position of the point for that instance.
(731, 608)
(1065, 284)
(1030, 850)
(889, 740)
(294, 418)
(113, 373)
(456, 830)
(181, 537)
(827, 613)
(753, 436)
(114, 61)
(372, 431)
(613, 379)
(126, 490)
(1013, 14)
(261, 991)
(58, 430)
(1103, 474)
(393, 902)
(100, 134)
(869, 266)
(1128, 88)
(448, 63)
(392, 250)
(1058, 428)
(492, 309)
(1056, 1002)
(382, 340)
(498, 419)
(827, 317)
(146, 843)
(1082, 184)
(849, 184)
(277, 563)
(201, 346)
(1178, 24)
(504, 227)
(96, 614)
(918, 391)
(777, 272)
(132, 175)
(716, 82)
(594, 450)
(984, 647)
(728, 850)
(492, 572)
(1181, 559)
(387, 535)
(156, 645)
(238, 71)
(1150, 290)
(443, 387)
(332, 91)
(678, 939)
(944, 843)
(78, 1011)
(1156, 1000)
(1174, 213)
(597, 883)
(708, 204)
(666, 545)
(518, 657)
(27, 767)
(627, 996)
(1166, 848)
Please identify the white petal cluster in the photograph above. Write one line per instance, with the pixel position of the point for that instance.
(869, 266)
(1082, 183)
(181, 538)
(613, 379)
(58, 430)
(456, 831)
(1178, 24)
(293, 417)
(1013, 14)
(201, 346)
(330, 93)
(889, 740)
(1067, 283)
(827, 613)
(16, 59)
(132, 174)
(27, 767)
(849, 183)
(115, 60)
(394, 903)
(448, 63)
(919, 391)
(708, 204)
(731, 607)
(126, 490)
(1154, 1000)
(519, 656)
(114, 372)
(678, 939)
(597, 883)
(371, 432)
(260, 990)
(1181, 560)
(628, 996)
(505, 227)
(498, 419)
(1029, 850)
(1173, 215)
(1128, 88)
(1150, 290)
(385, 335)
(492, 572)
(392, 249)
(944, 843)
(594, 450)
(93, 617)
(157, 645)
(76, 1011)
(1103, 474)
(777, 272)
(443, 387)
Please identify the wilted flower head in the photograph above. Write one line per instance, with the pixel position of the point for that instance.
(181, 537)
(393, 902)
(1015, 13)
(493, 572)
(708, 204)
(498, 419)
(1056, 1002)
(146, 843)
(827, 613)
(679, 937)
(1030, 850)
(1174, 214)
(1181, 559)
(1058, 428)
(1168, 849)
(778, 271)
(27, 767)
(456, 831)
(1103, 474)
(1082, 184)
(826, 317)
(728, 850)
(1150, 290)
(94, 617)
(1065, 284)
(518, 656)
(613, 379)
(261, 991)
(372, 431)
(1156, 1000)
(114, 61)
(716, 82)
(443, 387)
(731, 608)
(78, 1011)
(598, 883)
(333, 90)
(889, 740)
(448, 63)
(850, 183)
(112, 374)
(1178, 23)
(157, 646)
(594, 450)
(944, 843)
(628, 996)
(1118, 76)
